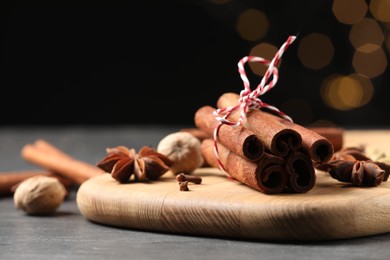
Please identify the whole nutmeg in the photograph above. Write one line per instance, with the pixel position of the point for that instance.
(183, 149)
(39, 195)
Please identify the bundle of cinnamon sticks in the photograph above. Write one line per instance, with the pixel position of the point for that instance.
(266, 152)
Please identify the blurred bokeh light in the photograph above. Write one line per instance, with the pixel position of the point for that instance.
(252, 25)
(315, 51)
(266, 51)
(347, 92)
(349, 11)
(380, 9)
(370, 64)
(336, 72)
(366, 35)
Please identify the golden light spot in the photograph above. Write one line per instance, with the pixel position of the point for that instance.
(370, 64)
(380, 9)
(252, 25)
(315, 51)
(219, 2)
(349, 11)
(299, 110)
(366, 35)
(347, 92)
(266, 51)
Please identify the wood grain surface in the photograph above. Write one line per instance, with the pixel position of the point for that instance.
(222, 207)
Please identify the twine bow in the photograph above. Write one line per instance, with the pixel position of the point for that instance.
(249, 99)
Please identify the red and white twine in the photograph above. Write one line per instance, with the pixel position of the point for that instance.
(249, 99)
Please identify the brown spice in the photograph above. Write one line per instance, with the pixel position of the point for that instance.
(279, 135)
(360, 173)
(122, 163)
(301, 172)
(351, 164)
(184, 186)
(196, 132)
(47, 156)
(276, 137)
(9, 181)
(240, 140)
(334, 134)
(267, 175)
(181, 177)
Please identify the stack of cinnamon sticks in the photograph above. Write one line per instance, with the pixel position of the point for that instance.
(267, 152)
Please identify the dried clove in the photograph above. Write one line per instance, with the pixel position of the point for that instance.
(184, 186)
(181, 177)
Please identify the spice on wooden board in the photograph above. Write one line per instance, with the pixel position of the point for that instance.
(270, 129)
(190, 178)
(183, 186)
(276, 137)
(123, 163)
(240, 140)
(352, 165)
(183, 149)
(301, 172)
(267, 175)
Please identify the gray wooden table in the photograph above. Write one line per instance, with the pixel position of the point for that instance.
(68, 235)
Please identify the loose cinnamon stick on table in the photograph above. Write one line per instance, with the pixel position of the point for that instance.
(239, 140)
(10, 180)
(301, 171)
(47, 156)
(276, 137)
(267, 175)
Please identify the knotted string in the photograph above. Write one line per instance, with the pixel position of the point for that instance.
(249, 99)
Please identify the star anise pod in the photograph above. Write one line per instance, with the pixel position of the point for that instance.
(360, 173)
(122, 163)
(351, 164)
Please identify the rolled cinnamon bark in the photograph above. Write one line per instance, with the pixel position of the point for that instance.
(45, 155)
(319, 148)
(301, 171)
(335, 135)
(267, 175)
(276, 137)
(10, 180)
(198, 133)
(239, 140)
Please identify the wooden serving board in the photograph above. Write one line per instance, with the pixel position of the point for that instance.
(226, 208)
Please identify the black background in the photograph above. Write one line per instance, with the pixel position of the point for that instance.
(148, 62)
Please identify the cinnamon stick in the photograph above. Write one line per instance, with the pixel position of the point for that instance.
(335, 135)
(49, 157)
(267, 175)
(10, 180)
(239, 140)
(198, 133)
(301, 171)
(319, 148)
(276, 137)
